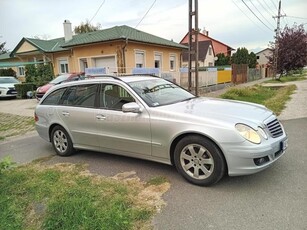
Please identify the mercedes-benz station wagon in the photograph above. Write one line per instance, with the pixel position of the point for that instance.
(153, 119)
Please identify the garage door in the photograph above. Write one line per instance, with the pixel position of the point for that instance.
(107, 62)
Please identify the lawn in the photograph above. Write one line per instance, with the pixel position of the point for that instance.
(12, 125)
(273, 98)
(67, 196)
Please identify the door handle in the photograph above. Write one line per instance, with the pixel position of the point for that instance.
(100, 117)
(66, 114)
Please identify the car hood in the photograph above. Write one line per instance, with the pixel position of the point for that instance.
(220, 110)
(44, 88)
(8, 85)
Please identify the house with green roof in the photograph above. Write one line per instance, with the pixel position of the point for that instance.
(119, 49)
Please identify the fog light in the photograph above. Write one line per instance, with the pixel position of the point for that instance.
(261, 160)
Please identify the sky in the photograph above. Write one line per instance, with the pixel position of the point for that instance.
(228, 21)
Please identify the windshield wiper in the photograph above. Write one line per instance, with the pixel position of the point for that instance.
(189, 98)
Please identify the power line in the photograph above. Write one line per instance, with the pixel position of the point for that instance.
(274, 4)
(247, 16)
(256, 16)
(264, 7)
(260, 13)
(97, 10)
(145, 14)
(296, 17)
(268, 7)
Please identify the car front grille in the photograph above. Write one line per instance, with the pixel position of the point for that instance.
(274, 128)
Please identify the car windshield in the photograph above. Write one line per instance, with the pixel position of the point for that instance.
(159, 92)
(8, 80)
(60, 79)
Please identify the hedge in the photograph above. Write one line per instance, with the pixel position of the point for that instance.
(23, 88)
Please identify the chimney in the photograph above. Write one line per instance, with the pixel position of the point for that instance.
(67, 30)
(205, 32)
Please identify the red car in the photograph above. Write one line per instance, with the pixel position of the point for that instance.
(40, 92)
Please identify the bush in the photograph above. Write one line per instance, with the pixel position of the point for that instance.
(7, 72)
(23, 88)
(39, 75)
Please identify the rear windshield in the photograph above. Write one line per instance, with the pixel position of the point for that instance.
(8, 80)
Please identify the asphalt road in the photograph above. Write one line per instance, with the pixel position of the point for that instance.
(273, 199)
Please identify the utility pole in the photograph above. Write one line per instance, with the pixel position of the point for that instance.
(193, 49)
(275, 59)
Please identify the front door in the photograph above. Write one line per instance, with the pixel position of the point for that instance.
(123, 133)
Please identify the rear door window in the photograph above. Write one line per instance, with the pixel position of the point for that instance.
(80, 96)
(54, 97)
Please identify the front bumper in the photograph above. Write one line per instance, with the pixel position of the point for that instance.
(249, 158)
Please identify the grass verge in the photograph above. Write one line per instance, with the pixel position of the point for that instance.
(67, 196)
(289, 78)
(273, 98)
(12, 125)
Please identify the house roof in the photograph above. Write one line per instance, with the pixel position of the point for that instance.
(5, 56)
(111, 34)
(229, 48)
(120, 33)
(266, 49)
(203, 47)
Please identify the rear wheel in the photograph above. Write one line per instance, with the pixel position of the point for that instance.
(61, 141)
(199, 160)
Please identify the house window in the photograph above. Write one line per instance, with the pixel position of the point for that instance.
(63, 66)
(158, 60)
(21, 70)
(210, 51)
(210, 64)
(83, 64)
(172, 62)
(139, 59)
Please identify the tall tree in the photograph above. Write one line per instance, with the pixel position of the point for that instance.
(86, 27)
(243, 57)
(3, 50)
(252, 62)
(292, 49)
(240, 57)
(222, 60)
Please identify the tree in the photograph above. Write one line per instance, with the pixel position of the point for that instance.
(292, 49)
(252, 63)
(240, 57)
(3, 50)
(243, 57)
(222, 60)
(86, 27)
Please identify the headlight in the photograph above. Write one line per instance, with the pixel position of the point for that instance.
(248, 133)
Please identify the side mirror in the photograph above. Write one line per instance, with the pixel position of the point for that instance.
(131, 107)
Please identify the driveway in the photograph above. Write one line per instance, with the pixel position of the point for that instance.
(22, 107)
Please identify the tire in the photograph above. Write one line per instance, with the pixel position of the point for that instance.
(199, 160)
(61, 141)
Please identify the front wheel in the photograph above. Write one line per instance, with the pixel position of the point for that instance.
(61, 141)
(199, 160)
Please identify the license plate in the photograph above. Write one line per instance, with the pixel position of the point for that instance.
(284, 145)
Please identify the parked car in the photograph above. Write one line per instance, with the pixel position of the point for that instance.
(40, 91)
(154, 119)
(7, 86)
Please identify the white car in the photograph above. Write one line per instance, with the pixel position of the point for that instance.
(7, 86)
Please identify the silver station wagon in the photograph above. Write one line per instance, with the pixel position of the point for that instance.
(151, 118)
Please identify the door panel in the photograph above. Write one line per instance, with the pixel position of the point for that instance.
(119, 131)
